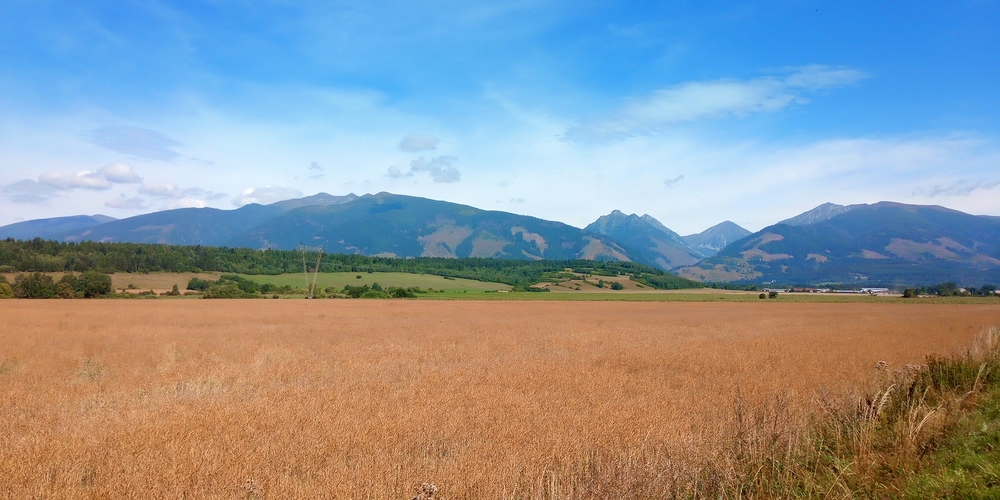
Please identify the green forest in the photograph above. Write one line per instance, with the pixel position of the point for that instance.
(39, 255)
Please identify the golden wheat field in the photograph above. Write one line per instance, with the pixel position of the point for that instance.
(369, 399)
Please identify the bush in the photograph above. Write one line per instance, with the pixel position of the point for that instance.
(909, 293)
(772, 295)
(617, 286)
(762, 296)
(227, 292)
(198, 284)
(355, 292)
(34, 286)
(6, 292)
(400, 293)
(93, 284)
(374, 294)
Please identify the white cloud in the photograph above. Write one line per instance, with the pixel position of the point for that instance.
(119, 173)
(315, 166)
(136, 141)
(83, 179)
(266, 195)
(125, 203)
(394, 172)
(414, 143)
(700, 100)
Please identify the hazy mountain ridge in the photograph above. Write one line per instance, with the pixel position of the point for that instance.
(45, 228)
(882, 243)
(712, 240)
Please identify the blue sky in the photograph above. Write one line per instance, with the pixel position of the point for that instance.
(747, 111)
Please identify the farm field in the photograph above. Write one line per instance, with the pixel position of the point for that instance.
(370, 398)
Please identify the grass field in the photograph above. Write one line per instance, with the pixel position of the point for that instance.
(371, 398)
(405, 280)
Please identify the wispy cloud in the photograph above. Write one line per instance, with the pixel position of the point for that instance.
(136, 141)
(27, 191)
(167, 191)
(699, 100)
(177, 197)
(673, 182)
(265, 195)
(83, 179)
(315, 167)
(439, 167)
(415, 143)
(123, 202)
(961, 187)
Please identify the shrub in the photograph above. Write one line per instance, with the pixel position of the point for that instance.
(374, 294)
(762, 296)
(6, 292)
(355, 292)
(772, 295)
(198, 284)
(617, 286)
(34, 286)
(227, 292)
(909, 293)
(400, 293)
(93, 284)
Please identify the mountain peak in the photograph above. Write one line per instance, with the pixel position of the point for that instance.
(819, 214)
(712, 240)
(653, 241)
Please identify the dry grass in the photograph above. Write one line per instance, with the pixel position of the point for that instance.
(371, 399)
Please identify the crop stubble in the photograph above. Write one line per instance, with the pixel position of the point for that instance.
(366, 399)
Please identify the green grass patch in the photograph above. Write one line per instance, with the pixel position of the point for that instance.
(403, 280)
(968, 464)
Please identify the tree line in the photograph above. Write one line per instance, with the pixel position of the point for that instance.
(40, 255)
(89, 284)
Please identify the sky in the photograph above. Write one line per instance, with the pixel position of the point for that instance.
(692, 112)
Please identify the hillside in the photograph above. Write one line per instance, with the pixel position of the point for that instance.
(645, 239)
(884, 243)
(46, 228)
(405, 226)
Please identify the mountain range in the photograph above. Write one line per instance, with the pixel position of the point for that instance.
(882, 243)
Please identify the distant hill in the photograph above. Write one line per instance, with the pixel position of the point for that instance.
(405, 226)
(884, 243)
(45, 228)
(645, 239)
(712, 240)
(183, 226)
